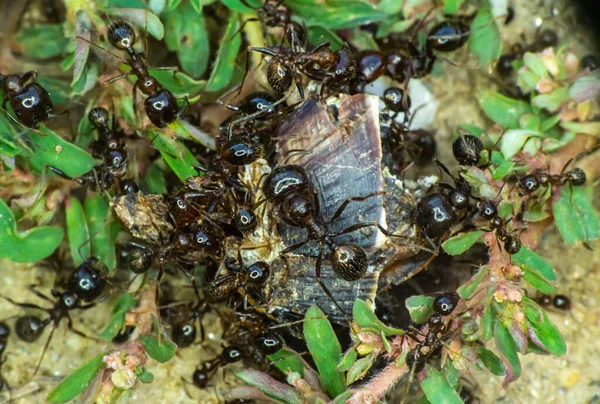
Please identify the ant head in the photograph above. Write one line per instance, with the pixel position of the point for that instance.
(241, 151)
(121, 35)
(488, 209)
(210, 239)
(528, 184)
(393, 99)
(371, 65)
(459, 199)
(87, 281)
(448, 36)
(12, 84)
(546, 39)
(349, 261)
(29, 328)
(512, 245)
(268, 344)
(184, 334)
(98, 117)
(68, 300)
(256, 102)
(245, 220)
(231, 354)
(257, 273)
(577, 177)
(200, 378)
(284, 181)
(129, 186)
(445, 303)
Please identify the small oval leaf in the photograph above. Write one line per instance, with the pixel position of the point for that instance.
(508, 352)
(420, 308)
(461, 242)
(77, 381)
(77, 231)
(503, 110)
(437, 389)
(161, 352)
(364, 317)
(223, 69)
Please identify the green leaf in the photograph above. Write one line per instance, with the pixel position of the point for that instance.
(487, 322)
(587, 128)
(452, 6)
(503, 110)
(336, 14)
(360, 368)
(238, 7)
(586, 88)
(437, 389)
(467, 290)
(291, 361)
(53, 150)
(224, 66)
(161, 352)
(420, 308)
(29, 246)
(271, 387)
(176, 154)
(194, 52)
(535, 64)
(125, 303)
(574, 214)
(325, 349)
(77, 381)
(178, 83)
(552, 101)
(142, 18)
(485, 41)
(77, 231)
(527, 259)
(342, 398)
(146, 376)
(82, 29)
(318, 35)
(461, 243)
(364, 317)
(42, 41)
(348, 359)
(155, 180)
(508, 353)
(490, 360)
(541, 331)
(97, 212)
(513, 141)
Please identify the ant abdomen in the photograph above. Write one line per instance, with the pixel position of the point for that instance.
(29, 328)
(184, 335)
(121, 35)
(512, 245)
(240, 152)
(349, 261)
(576, 177)
(161, 108)
(467, 150)
(279, 76)
(448, 36)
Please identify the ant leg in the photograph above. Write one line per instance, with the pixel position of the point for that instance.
(32, 74)
(345, 204)
(116, 78)
(76, 331)
(253, 19)
(46, 345)
(384, 231)
(25, 305)
(325, 289)
(294, 247)
(134, 98)
(32, 289)
(102, 49)
(184, 106)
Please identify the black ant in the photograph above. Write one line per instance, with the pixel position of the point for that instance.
(28, 99)
(109, 148)
(290, 190)
(183, 332)
(29, 328)
(206, 370)
(559, 302)
(589, 63)
(4, 334)
(240, 276)
(271, 15)
(545, 39)
(528, 184)
(489, 211)
(160, 104)
(443, 305)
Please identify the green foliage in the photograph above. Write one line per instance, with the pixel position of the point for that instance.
(437, 389)
(503, 110)
(28, 246)
(222, 72)
(177, 156)
(365, 318)
(336, 14)
(97, 213)
(508, 352)
(43, 41)
(325, 349)
(575, 216)
(77, 381)
(77, 231)
(485, 41)
(125, 303)
(160, 350)
(286, 360)
(542, 332)
(420, 308)
(270, 387)
(460, 243)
